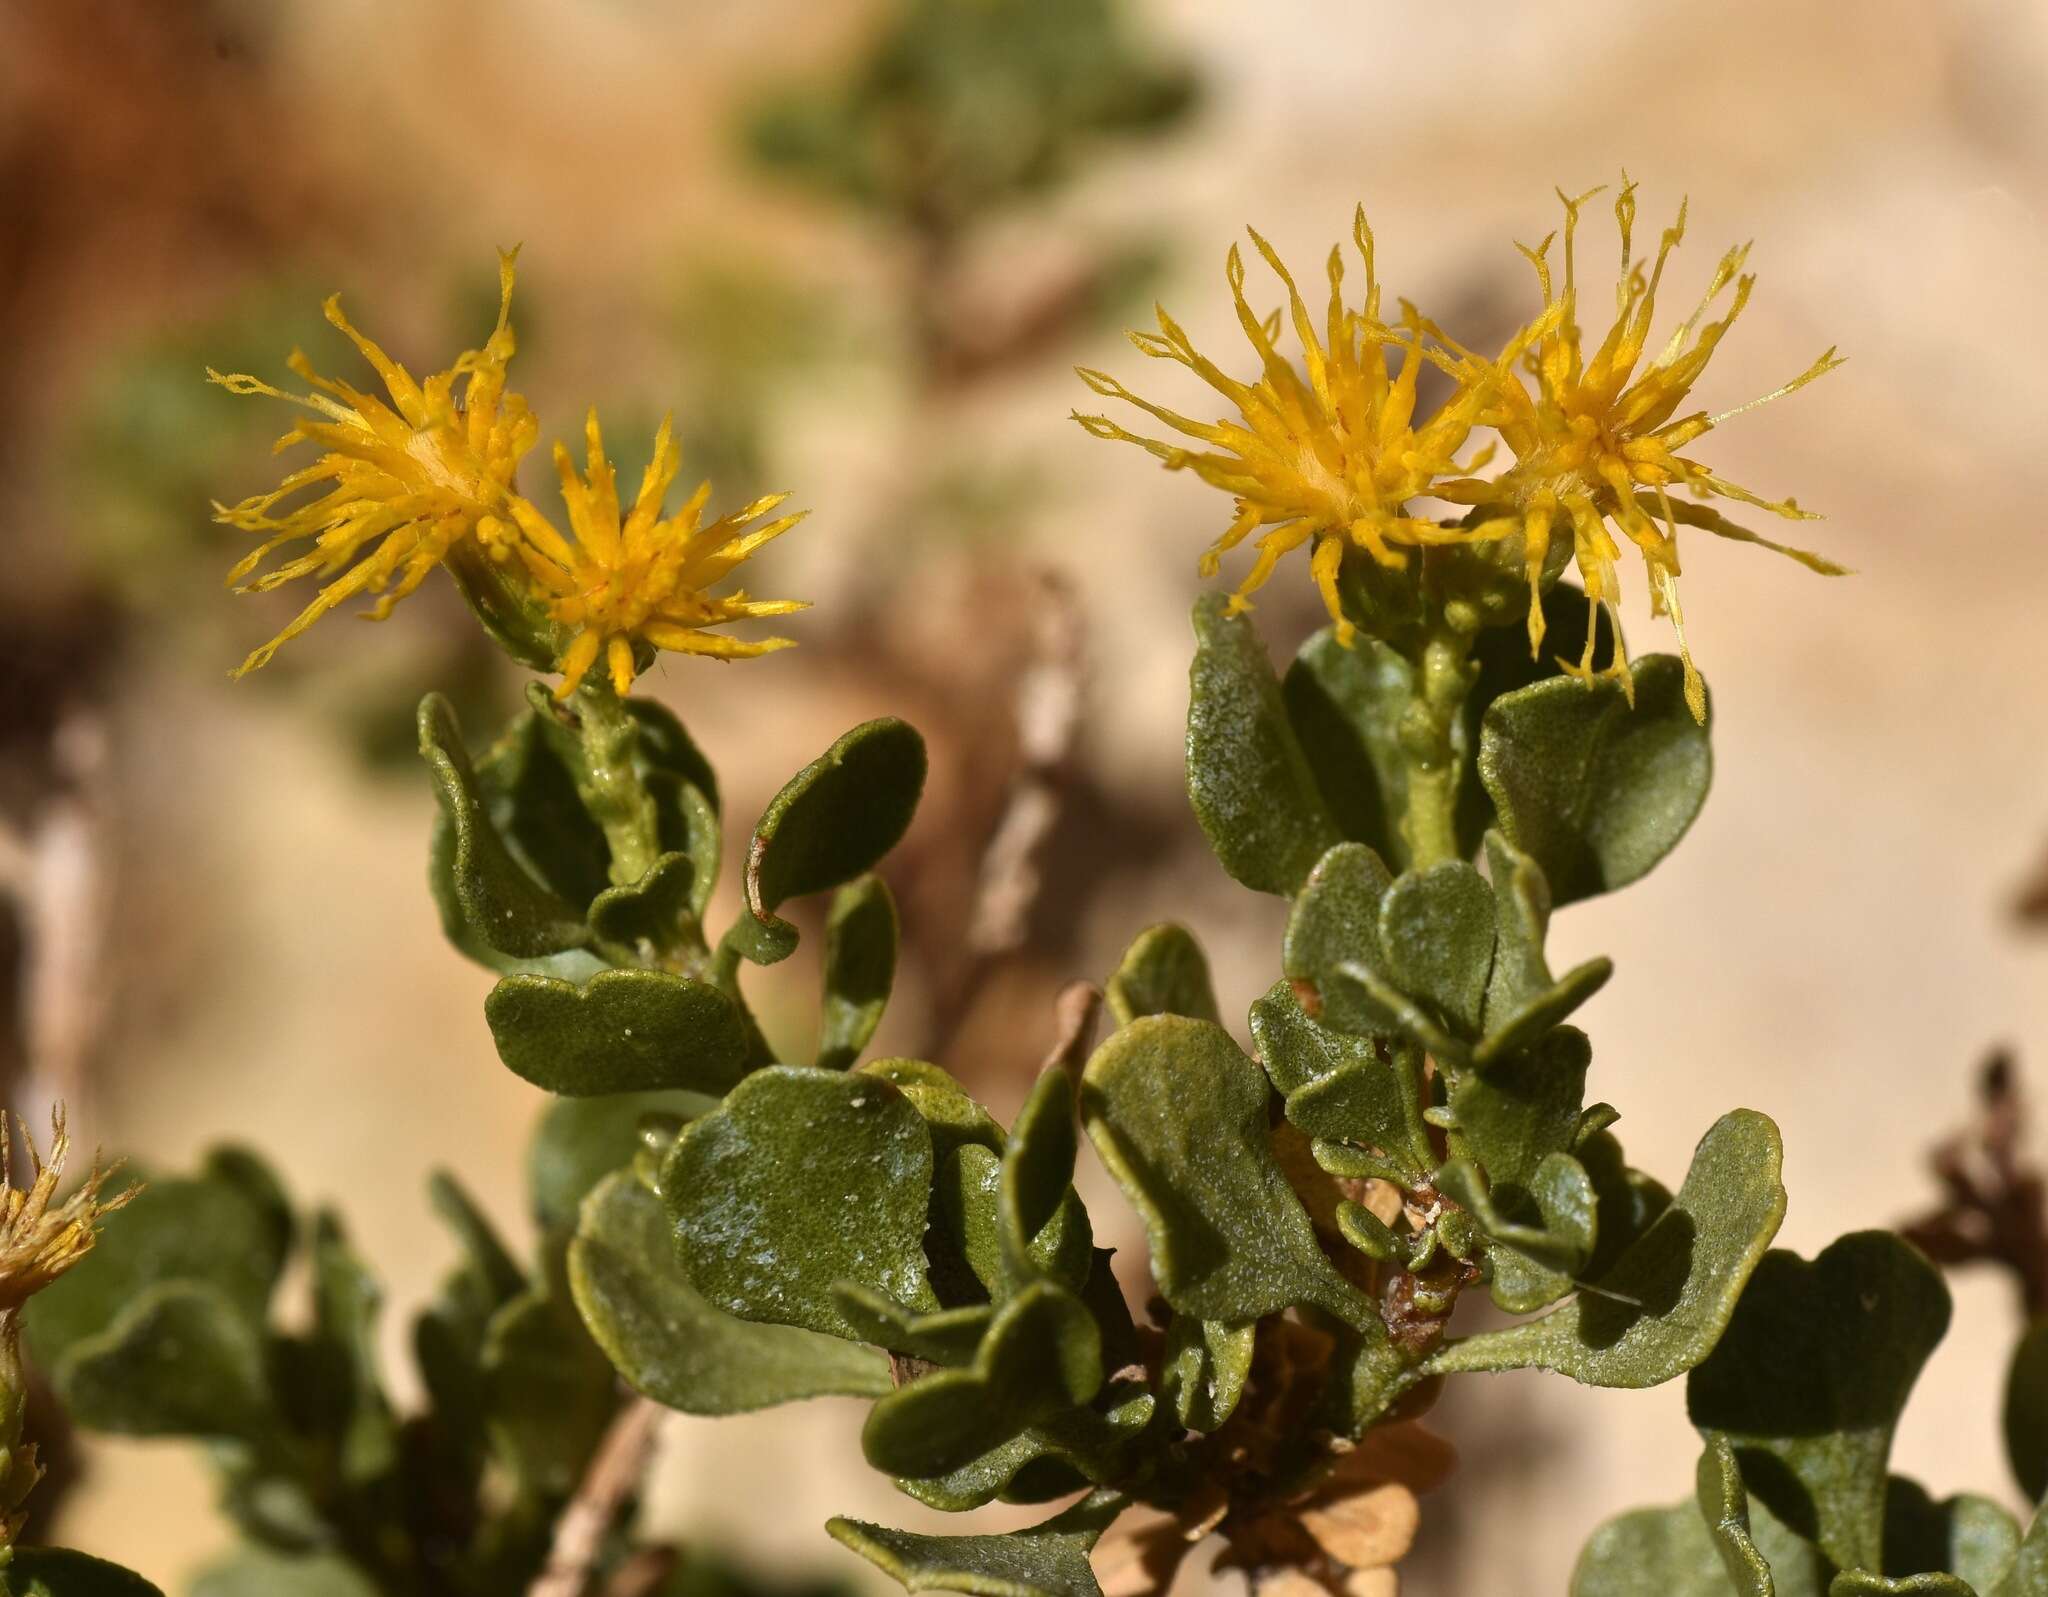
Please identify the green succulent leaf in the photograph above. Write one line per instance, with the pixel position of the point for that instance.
(1544, 1232)
(622, 1031)
(658, 912)
(1967, 1540)
(1665, 1302)
(492, 907)
(580, 1141)
(180, 1360)
(346, 1299)
(2028, 1576)
(1596, 792)
(226, 1229)
(860, 968)
(1345, 706)
(1036, 1181)
(2026, 1411)
(548, 1390)
(1040, 1355)
(1206, 1366)
(832, 821)
(1629, 1199)
(1249, 782)
(58, 1572)
(1514, 1115)
(1676, 1552)
(1069, 1452)
(1372, 1102)
(1178, 1114)
(1436, 940)
(1163, 973)
(1809, 1380)
(950, 1337)
(260, 1572)
(1724, 1505)
(1048, 1560)
(669, 1343)
(803, 1178)
(1335, 921)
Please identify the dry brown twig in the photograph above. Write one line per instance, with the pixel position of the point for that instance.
(608, 1485)
(1996, 1208)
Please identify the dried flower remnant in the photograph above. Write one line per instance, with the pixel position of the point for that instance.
(405, 482)
(1597, 440)
(635, 577)
(1331, 461)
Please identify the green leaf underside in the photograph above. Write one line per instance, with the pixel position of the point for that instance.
(1163, 973)
(1048, 1560)
(622, 1031)
(672, 1345)
(1178, 1114)
(804, 1178)
(1594, 790)
(1248, 780)
(1810, 1378)
(860, 968)
(1663, 1305)
(2026, 1411)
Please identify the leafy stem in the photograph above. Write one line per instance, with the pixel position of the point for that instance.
(1429, 739)
(609, 783)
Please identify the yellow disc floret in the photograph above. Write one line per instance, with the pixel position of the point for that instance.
(40, 1238)
(636, 577)
(1330, 458)
(399, 484)
(1596, 437)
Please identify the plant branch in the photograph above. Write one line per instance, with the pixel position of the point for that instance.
(608, 1485)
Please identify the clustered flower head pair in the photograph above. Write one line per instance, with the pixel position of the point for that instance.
(1332, 457)
(404, 486)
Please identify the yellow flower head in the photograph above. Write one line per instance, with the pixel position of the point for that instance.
(40, 1239)
(637, 577)
(401, 484)
(1330, 460)
(1597, 437)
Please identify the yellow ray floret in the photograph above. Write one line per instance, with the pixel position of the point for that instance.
(1329, 459)
(398, 484)
(1596, 437)
(634, 577)
(39, 1238)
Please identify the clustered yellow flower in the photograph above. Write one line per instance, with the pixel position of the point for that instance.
(404, 486)
(1336, 459)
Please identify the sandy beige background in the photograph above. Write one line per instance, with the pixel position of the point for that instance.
(1832, 945)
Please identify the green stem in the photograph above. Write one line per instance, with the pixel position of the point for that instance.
(609, 782)
(1432, 739)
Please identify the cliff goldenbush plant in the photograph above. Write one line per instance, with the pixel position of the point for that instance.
(722, 1228)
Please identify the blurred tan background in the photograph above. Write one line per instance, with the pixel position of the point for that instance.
(225, 933)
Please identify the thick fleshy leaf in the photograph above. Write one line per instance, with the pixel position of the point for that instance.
(1436, 939)
(1513, 1116)
(1345, 706)
(2028, 1576)
(1069, 1452)
(1206, 1366)
(1037, 1176)
(1249, 782)
(180, 1360)
(1544, 1231)
(669, 1343)
(1594, 791)
(226, 1228)
(258, 1572)
(1178, 1114)
(1041, 1355)
(1724, 1505)
(1163, 973)
(654, 915)
(1297, 1050)
(1373, 1102)
(949, 1337)
(548, 1391)
(1335, 921)
(860, 969)
(1810, 1378)
(1664, 1304)
(2026, 1412)
(58, 1572)
(492, 907)
(1674, 1552)
(1629, 1199)
(580, 1141)
(622, 1031)
(832, 821)
(1968, 1538)
(804, 1178)
(346, 1299)
(1048, 1560)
